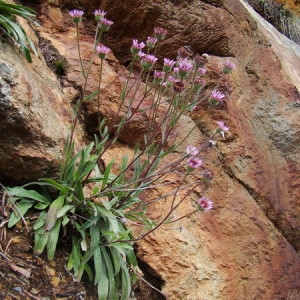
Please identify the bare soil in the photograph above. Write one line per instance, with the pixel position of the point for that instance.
(24, 275)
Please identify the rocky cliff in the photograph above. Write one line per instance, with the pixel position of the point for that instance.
(246, 247)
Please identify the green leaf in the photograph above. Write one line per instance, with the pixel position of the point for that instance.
(109, 273)
(20, 210)
(106, 174)
(121, 246)
(75, 256)
(40, 240)
(116, 258)
(53, 238)
(59, 186)
(91, 96)
(53, 211)
(64, 210)
(40, 222)
(126, 282)
(20, 192)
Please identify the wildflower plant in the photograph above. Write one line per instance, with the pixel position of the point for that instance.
(105, 211)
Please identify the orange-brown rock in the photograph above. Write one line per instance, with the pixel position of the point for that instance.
(246, 247)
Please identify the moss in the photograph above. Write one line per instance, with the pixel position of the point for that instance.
(56, 62)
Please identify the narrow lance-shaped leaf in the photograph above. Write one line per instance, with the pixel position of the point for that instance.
(53, 211)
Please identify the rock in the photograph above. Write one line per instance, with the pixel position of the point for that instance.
(34, 116)
(246, 247)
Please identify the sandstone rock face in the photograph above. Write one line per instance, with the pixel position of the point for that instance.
(34, 115)
(246, 247)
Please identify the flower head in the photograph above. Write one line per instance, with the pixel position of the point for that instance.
(76, 14)
(205, 203)
(105, 24)
(169, 82)
(194, 163)
(228, 67)
(148, 60)
(136, 46)
(102, 51)
(222, 126)
(207, 175)
(99, 14)
(140, 54)
(199, 83)
(168, 64)
(216, 97)
(151, 41)
(201, 71)
(191, 150)
(158, 76)
(184, 66)
(160, 33)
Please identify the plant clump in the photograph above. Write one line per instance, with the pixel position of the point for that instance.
(103, 211)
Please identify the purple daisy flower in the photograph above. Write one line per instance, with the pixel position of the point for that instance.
(102, 51)
(205, 203)
(99, 14)
(191, 150)
(228, 67)
(76, 14)
(194, 162)
(160, 33)
(222, 126)
(105, 24)
(216, 97)
(136, 46)
(151, 41)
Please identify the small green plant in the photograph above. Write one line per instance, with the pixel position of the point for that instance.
(9, 26)
(105, 212)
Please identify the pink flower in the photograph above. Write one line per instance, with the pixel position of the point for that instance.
(76, 14)
(216, 97)
(201, 71)
(191, 150)
(102, 51)
(205, 203)
(136, 46)
(194, 162)
(222, 126)
(105, 24)
(148, 60)
(228, 67)
(184, 66)
(199, 83)
(151, 41)
(168, 64)
(170, 81)
(160, 33)
(141, 54)
(99, 14)
(158, 76)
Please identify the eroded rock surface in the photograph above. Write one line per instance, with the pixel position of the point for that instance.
(246, 247)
